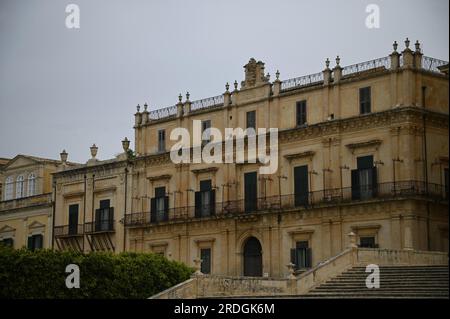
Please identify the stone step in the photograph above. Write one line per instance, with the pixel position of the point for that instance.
(364, 289)
(344, 285)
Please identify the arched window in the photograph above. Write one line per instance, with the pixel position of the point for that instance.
(19, 187)
(31, 185)
(9, 188)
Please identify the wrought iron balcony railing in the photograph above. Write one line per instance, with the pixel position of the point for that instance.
(101, 226)
(69, 230)
(308, 200)
(354, 69)
(432, 64)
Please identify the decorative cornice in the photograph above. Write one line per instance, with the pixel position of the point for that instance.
(372, 143)
(369, 226)
(159, 177)
(309, 154)
(205, 170)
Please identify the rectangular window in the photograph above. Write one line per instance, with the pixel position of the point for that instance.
(159, 205)
(250, 192)
(205, 199)
(206, 125)
(73, 219)
(7, 242)
(301, 255)
(205, 256)
(35, 242)
(251, 119)
(301, 189)
(364, 179)
(365, 100)
(161, 141)
(367, 242)
(301, 113)
(104, 216)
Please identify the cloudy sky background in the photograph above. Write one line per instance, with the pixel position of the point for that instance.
(67, 88)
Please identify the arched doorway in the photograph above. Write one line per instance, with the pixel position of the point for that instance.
(252, 258)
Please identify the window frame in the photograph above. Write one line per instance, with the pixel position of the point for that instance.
(301, 113)
(365, 102)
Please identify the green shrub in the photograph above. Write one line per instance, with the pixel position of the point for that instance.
(41, 274)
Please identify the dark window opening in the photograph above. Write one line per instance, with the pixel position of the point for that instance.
(367, 242)
(7, 242)
(301, 185)
(301, 113)
(205, 256)
(364, 179)
(73, 219)
(365, 100)
(35, 242)
(104, 216)
(205, 200)
(301, 255)
(251, 119)
(206, 132)
(161, 141)
(250, 192)
(159, 204)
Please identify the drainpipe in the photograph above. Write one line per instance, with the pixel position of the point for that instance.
(125, 209)
(53, 217)
(425, 159)
(84, 210)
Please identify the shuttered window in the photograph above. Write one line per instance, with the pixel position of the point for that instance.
(159, 206)
(205, 199)
(73, 219)
(301, 113)
(250, 192)
(251, 119)
(161, 141)
(301, 190)
(301, 255)
(35, 242)
(205, 256)
(365, 100)
(364, 179)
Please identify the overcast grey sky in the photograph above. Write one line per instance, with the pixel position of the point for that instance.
(69, 88)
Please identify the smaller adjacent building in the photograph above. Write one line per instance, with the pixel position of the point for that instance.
(26, 201)
(90, 201)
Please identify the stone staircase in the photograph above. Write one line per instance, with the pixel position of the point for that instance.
(395, 282)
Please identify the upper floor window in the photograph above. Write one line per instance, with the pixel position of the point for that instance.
(364, 100)
(31, 184)
(20, 191)
(9, 188)
(251, 119)
(301, 113)
(205, 199)
(206, 132)
(159, 205)
(161, 141)
(35, 242)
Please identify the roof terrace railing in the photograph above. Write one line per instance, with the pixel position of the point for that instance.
(357, 68)
(432, 64)
(163, 113)
(207, 103)
(302, 81)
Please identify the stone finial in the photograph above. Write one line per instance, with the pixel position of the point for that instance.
(187, 96)
(63, 155)
(291, 270)
(94, 150)
(235, 85)
(395, 46)
(277, 75)
(197, 266)
(338, 60)
(145, 107)
(125, 144)
(138, 108)
(417, 44)
(180, 97)
(407, 42)
(352, 238)
(327, 63)
(268, 76)
(227, 86)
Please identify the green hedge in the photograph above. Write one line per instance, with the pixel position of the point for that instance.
(41, 274)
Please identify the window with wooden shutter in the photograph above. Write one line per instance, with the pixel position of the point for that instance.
(205, 256)
(301, 113)
(206, 134)
(301, 190)
(251, 119)
(365, 100)
(73, 219)
(159, 206)
(250, 192)
(161, 141)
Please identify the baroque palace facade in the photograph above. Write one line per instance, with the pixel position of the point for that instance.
(362, 149)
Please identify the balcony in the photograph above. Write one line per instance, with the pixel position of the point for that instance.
(69, 230)
(30, 201)
(328, 197)
(101, 226)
